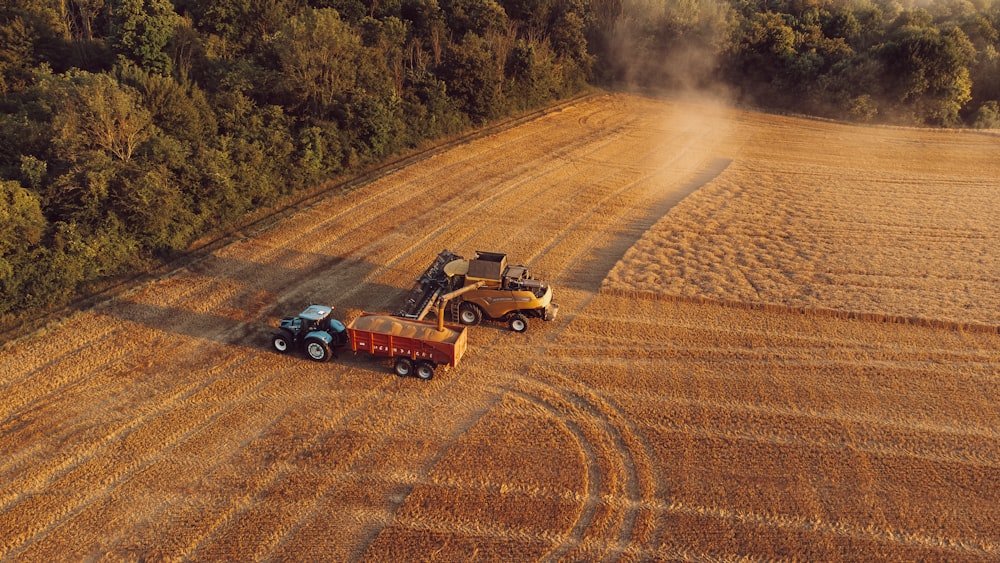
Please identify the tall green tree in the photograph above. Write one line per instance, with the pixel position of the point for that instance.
(471, 73)
(141, 30)
(17, 55)
(317, 57)
(926, 71)
(98, 113)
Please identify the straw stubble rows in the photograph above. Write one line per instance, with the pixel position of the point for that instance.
(700, 394)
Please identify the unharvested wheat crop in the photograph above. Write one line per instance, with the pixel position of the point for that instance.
(816, 215)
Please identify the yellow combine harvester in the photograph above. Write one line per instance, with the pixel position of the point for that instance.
(485, 287)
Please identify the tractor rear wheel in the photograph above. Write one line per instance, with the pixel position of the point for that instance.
(282, 341)
(403, 367)
(518, 322)
(317, 349)
(470, 314)
(425, 370)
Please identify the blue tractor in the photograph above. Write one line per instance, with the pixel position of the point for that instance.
(314, 331)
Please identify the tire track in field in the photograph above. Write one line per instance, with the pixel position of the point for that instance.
(263, 391)
(46, 409)
(214, 536)
(55, 389)
(620, 471)
(32, 358)
(398, 493)
(248, 455)
(75, 390)
(361, 456)
(120, 470)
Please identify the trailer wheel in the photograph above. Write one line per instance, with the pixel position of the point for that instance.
(317, 349)
(425, 370)
(518, 322)
(470, 314)
(403, 367)
(281, 341)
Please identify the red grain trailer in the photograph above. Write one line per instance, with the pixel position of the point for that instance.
(416, 346)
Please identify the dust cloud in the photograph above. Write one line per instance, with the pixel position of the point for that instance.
(669, 47)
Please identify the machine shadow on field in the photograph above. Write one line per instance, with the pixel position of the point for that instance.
(592, 269)
(238, 302)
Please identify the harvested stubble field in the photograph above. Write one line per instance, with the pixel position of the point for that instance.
(721, 383)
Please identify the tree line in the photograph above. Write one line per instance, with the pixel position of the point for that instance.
(914, 62)
(129, 128)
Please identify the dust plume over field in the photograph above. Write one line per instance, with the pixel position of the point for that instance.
(654, 419)
(665, 46)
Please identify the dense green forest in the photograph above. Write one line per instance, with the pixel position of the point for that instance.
(129, 128)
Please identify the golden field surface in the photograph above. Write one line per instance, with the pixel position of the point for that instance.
(776, 341)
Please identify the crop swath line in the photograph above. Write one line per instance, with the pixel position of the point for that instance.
(787, 357)
(31, 359)
(83, 385)
(46, 472)
(125, 470)
(357, 457)
(581, 411)
(946, 545)
(269, 391)
(265, 392)
(811, 341)
(854, 443)
(249, 499)
(28, 397)
(360, 456)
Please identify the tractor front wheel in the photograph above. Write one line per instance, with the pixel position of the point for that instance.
(281, 341)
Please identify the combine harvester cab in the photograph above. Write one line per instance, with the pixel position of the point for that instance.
(414, 347)
(485, 287)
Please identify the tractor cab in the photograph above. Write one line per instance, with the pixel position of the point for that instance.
(314, 330)
(315, 317)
